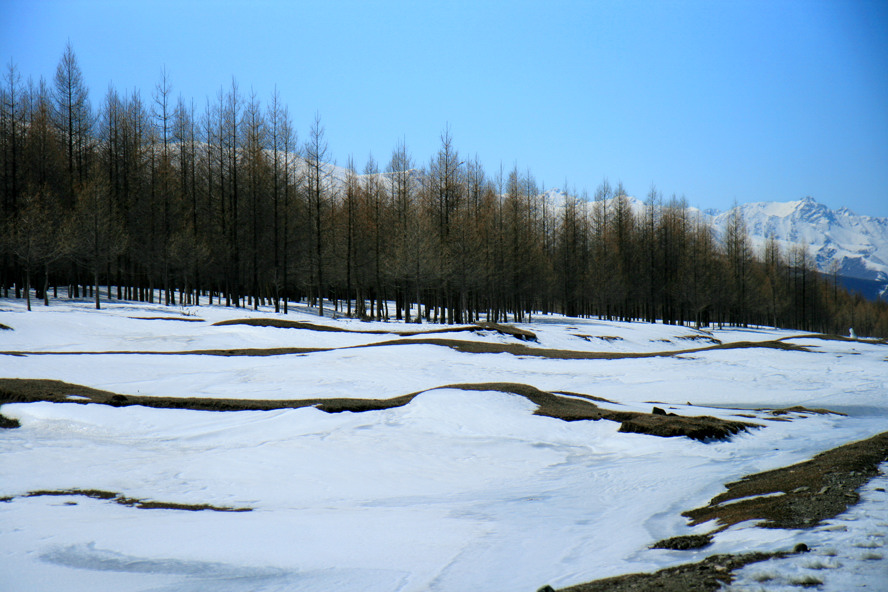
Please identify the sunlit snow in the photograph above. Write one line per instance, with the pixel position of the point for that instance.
(458, 490)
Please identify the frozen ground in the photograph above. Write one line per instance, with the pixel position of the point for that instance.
(457, 490)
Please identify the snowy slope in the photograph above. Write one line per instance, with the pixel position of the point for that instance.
(458, 490)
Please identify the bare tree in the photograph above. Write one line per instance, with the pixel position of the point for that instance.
(317, 177)
(95, 234)
(73, 117)
(32, 239)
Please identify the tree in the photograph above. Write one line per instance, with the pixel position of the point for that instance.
(257, 176)
(163, 121)
(228, 205)
(773, 289)
(73, 118)
(277, 128)
(11, 143)
(445, 190)
(739, 255)
(373, 198)
(601, 276)
(317, 177)
(569, 252)
(292, 183)
(230, 106)
(95, 234)
(702, 288)
(32, 238)
(401, 180)
(190, 250)
(11, 138)
(622, 253)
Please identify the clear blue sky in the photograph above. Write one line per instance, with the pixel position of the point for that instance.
(719, 101)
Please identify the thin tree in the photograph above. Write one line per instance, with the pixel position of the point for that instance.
(317, 177)
(32, 239)
(73, 117)
(95, 234)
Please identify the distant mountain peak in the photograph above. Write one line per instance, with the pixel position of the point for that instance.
(855, 246)
(840, 241)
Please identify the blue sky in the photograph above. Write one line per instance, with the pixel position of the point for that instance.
(719, 101)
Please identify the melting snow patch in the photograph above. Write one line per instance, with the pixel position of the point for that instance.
(846, 554)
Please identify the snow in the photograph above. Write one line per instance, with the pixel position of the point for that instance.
(456, 490)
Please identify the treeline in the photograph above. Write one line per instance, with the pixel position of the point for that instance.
(220, 202)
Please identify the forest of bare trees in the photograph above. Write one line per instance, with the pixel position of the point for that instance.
(218, 201)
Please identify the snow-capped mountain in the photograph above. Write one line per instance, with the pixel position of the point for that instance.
(855, 246)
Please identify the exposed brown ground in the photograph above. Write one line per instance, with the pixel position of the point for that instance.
(567, 407)
(183, 319)
(473, 347)
(126, 501)
(704, 576)
(521, 334)
(828, 337)
(808, 493)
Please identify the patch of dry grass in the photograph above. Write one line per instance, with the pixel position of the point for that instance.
(8, 423)
(521, 334)
(827, 337)
(809, 492)
(574, 407)
(118, 498)
(183, 319)
(708, 575)
(472, 347)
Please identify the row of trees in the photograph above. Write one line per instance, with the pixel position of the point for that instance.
(221, 202)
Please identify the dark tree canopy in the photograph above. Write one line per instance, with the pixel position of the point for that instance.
(218, 201)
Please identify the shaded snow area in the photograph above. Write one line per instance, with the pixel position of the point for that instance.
(456, 490)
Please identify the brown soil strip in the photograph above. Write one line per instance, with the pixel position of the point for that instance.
(806, 493)
(248, 352)
(827, 337)
(705, 338)
(566, 408)
(587, 397)
(14, 390)
(9, 423)
(797, 409)
(473, 347)
(127, 501)
(285, 324)
(184, 320)
(684, 542)
(589, 338)
(704, 576)
(803, 410)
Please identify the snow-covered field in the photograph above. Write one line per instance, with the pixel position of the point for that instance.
(457, 490)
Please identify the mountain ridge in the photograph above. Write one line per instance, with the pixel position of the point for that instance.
(840, 241)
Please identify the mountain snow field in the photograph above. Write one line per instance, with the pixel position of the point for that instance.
(455, 490)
